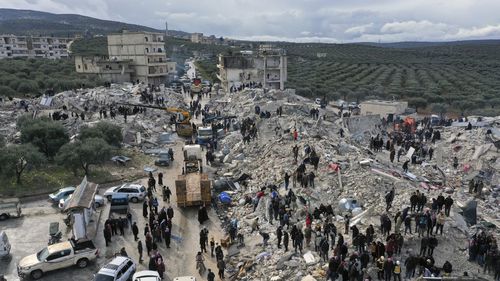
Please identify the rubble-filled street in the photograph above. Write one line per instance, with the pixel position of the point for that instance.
(298, 192)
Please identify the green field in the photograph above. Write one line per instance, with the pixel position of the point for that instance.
(461, 77)
(465, 78)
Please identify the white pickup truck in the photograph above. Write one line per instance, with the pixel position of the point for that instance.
(57, 256)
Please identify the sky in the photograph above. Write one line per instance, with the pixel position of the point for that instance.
(333, 21)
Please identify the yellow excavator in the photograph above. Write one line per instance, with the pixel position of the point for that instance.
(182, 118)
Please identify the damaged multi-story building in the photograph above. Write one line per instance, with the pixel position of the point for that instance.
(267, 66)
(15, 46)
(132, 56)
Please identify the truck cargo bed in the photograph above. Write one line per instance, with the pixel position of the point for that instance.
(193, 189)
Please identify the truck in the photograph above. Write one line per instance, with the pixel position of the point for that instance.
(193, 188)
(57, 256)
(205, 135)
(119, 208)
(9, 207)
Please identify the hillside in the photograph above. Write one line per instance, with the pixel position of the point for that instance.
(42, 23)
(463, 77)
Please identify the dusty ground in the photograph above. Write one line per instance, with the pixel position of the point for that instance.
(29, 234)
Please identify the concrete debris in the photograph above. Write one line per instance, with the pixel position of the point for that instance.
(85, 107)
(341, 172)
(347, 170)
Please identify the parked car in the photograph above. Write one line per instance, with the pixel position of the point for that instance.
(146, 275)
(62, 193)
(163, 159)
(135, 192)
(98, 201)
(57, 256)
(119, 269)
(9, 207)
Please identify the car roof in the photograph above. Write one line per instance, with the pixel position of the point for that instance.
(119, 195)
(134, 185)
(185, 278)
(66, 189)
(112, 266)
(146, 275)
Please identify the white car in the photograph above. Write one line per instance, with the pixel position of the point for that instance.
(146, 275)
(135, 192)
(119, 269)
(98, 202)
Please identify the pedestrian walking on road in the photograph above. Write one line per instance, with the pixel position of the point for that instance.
(107, 235)
(135, 231)
(160, 179)
(212, 246)
(145, 208)
(139, 249)
(210, 275)
(166, 194)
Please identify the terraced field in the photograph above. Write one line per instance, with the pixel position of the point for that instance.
(460, 78)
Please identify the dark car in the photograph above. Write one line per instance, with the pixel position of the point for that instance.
(163, 159)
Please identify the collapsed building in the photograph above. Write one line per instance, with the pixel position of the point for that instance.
(350, 177)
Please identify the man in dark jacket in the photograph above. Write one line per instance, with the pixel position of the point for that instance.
(210, 275)
(448, 202)
(135, 230)
(279, 234)
(285, 240)
(447, 268)
(433, 242)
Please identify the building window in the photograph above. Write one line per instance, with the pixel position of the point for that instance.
(146, 38)
(85, 66)
(147, 50)
(79, 66)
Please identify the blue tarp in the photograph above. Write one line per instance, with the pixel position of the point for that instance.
(224, 198)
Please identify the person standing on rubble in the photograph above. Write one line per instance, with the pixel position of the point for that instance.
(391, 155)
(287, 180)
(405, 166)
(455, 162)
(346, 224)
(440, 219)
(295, 151)
(448, 202)
(285, 240)
(400, 152)
(310, 178)
(279, 234)
(389, 197)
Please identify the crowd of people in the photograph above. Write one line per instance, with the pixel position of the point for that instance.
(382, 249)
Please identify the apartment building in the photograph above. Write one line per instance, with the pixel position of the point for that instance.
(12, 46)
(113, 71)
(146, 51)
(267, 66)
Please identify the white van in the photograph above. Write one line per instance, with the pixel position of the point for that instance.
(4, 244)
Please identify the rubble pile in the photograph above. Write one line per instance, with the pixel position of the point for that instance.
(144, 130)
(347, 171)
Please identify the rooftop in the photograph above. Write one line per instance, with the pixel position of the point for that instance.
(83, 195)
